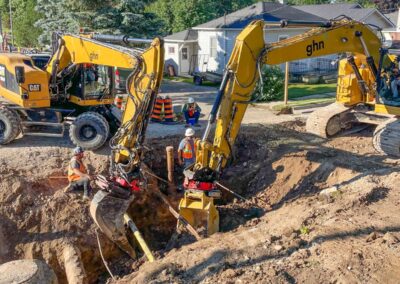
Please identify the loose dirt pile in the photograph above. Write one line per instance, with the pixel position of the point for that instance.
(39, 220)
(285, 232)
(331, 215)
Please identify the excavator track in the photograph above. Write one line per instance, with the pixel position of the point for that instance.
(327, 121)
(387, 138)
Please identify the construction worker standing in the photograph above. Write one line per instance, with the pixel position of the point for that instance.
(77, 173)
(187, 149)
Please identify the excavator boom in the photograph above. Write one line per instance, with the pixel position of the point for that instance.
(109, 205)
(250, 53)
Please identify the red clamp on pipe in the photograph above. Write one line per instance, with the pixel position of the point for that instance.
(133, 186)
(199, 185)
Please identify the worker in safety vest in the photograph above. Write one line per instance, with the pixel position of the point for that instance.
(77, 173)
(191, 111)
(187, 149)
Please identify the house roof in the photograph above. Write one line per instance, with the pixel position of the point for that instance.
(393, 17)
(186, 35)
(331, 11)
(267, 11)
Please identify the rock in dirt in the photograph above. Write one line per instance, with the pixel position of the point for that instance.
(27, 272)
(390, 239)
(329, 191)
(229, 273)
(278, 248)
(371, 237)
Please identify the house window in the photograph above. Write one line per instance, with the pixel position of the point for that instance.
(184, 53)
(213, 47)
(171, 50)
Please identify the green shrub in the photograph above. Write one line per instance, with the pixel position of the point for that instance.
(274, 83)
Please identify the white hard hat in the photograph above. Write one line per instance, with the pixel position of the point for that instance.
(190, 100)
(189, 132)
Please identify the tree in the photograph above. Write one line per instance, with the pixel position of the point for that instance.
(25, 16)
(387, 6)
(272, 85)
(308, 2)
(180, 15)
(111, 17)
(57, 16)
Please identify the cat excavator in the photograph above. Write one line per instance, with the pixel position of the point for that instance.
(358, 100)
(75, 89)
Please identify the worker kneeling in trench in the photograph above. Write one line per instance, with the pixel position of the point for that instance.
(77, 173)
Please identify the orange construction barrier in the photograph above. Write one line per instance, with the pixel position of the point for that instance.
(156, 115)
(168, 111)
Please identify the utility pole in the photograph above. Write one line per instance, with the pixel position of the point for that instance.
(11, 24)
(286, 89)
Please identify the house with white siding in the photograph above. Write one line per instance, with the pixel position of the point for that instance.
(207, 47)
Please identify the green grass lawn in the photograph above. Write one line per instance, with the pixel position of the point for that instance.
(190, 81)
(301, 90)
(304, 102)
(295, 90)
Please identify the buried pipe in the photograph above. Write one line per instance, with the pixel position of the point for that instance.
(73, 265)
(139, 238)
(170, 163)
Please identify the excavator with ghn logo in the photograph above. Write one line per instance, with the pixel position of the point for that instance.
(360, 99)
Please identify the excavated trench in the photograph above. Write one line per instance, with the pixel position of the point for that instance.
(272, 165)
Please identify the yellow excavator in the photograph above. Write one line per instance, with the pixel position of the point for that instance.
(358, 99)
(76, 88)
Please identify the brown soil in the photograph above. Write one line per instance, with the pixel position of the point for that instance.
(350, 235)
(286, 231)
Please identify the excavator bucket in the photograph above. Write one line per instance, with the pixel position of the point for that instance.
(199, 210)
(107, 210)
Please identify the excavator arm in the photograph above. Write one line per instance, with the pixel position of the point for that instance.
(109, 205)
(250, 53)
(240, 77)
(71, 50)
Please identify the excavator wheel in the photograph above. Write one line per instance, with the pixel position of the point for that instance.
(90, 130)
(327, 121)
(387, 138)
(107, 210)
(10, 125)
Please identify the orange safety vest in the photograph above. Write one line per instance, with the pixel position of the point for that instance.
(71, 175)
(187, 152)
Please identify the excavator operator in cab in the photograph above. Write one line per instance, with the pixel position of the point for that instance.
(395, 83)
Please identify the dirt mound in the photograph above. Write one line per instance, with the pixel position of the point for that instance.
(39, 220)
(326, 213)
(315, 210)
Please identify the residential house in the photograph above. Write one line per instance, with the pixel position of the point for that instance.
(209, 45)
(392, 35)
